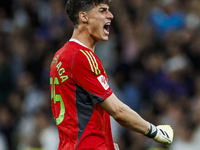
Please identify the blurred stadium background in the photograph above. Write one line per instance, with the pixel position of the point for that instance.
(152, 60)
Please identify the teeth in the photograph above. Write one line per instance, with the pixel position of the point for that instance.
(107, 24)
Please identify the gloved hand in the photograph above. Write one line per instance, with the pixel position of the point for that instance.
(162, 134)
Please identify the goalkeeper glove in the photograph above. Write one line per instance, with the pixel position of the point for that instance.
(162, 134)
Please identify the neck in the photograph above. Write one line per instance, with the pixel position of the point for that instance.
(84, 37)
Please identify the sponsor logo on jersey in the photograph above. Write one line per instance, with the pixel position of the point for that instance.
(102, 80)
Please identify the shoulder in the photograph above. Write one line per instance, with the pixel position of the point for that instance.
(87, 59)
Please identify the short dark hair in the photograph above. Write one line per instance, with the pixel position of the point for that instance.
(73, 7)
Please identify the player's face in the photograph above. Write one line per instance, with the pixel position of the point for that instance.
(99, 20)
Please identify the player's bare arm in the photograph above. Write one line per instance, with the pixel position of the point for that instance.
(131, 120)
(124, 115)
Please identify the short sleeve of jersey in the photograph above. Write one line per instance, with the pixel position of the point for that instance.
(88, 73)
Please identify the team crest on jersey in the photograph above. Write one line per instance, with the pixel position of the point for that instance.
(103, 81)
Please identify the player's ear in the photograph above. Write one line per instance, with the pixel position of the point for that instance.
(83, 17)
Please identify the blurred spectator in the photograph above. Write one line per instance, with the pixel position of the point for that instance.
(194, 51)
(15, 102)
(184, 135)
(7, 7)
(167, 17)
(19, 48)
(7, 124)
(26, 133)
(30, 7)
(196, 113)
(3, 142)
(48, 134)
(37, 53)
(33, 97)
(155, 79)
(5, 76)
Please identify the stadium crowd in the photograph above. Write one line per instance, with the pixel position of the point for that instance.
(152, 59)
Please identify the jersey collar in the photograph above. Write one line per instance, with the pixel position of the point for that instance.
(77, 41)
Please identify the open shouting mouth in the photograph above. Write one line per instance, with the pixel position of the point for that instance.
(106, 28)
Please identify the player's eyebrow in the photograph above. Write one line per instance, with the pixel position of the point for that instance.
(104, 8)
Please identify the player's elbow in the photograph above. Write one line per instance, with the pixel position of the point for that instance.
(120, 113)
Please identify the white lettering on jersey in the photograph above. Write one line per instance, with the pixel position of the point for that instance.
(102, 80)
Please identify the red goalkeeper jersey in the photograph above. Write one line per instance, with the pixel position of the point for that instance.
(78, 82)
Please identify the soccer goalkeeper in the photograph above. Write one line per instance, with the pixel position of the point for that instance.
(81, 98)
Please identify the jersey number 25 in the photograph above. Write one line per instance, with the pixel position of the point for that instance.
(57, 98)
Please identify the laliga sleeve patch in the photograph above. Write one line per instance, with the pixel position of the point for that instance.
(102, 80)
